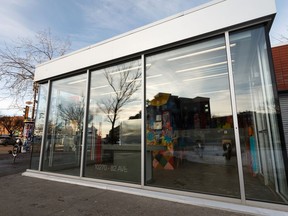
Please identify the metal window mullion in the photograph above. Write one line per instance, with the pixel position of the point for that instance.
(45, 128)
(143, 114)
(235, 119)
(262, 71)
(85, 123)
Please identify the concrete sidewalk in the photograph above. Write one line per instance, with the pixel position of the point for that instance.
(22, 195)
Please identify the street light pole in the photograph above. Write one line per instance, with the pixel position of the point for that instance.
(35, 90)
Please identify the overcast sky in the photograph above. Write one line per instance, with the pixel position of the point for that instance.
(86, 22)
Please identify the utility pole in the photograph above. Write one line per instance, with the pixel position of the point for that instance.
(35, 90)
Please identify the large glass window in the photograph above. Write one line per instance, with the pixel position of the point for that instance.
(39, 126)
(263, 154)
(114, 126)
(189, 130)
(62, 152)
(190, 141)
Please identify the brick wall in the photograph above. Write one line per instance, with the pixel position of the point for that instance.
(280, 59)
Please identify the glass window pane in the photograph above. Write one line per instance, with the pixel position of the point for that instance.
(190, 137)
(39, 126)
(114, 127)
(262, 151)
(65, 126)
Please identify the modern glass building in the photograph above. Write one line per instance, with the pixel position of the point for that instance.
(186, 106)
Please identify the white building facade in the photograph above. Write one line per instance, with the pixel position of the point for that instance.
(183, 109)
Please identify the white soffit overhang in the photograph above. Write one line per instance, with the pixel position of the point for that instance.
(215, 15)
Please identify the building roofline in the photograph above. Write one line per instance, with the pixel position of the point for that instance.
(280, 44)
(187, 24)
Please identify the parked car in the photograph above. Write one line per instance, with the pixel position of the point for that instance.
(7, 140)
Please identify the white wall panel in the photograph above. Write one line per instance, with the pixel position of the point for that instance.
(213, 16)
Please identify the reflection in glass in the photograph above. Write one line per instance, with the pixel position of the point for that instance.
(190, 138)
(62, 152)
(39, 126)
(262, 150)
(114, 132)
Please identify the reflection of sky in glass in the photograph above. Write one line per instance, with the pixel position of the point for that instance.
(251, 71)
(67, 92)
(199, 70)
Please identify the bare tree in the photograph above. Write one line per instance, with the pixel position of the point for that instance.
(18, 61)
(12, 124)
(284, 38)
(281, 38)
(123, 86)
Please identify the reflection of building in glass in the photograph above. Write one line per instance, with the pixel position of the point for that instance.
(195, 112)
(167, 116)
(180, 113)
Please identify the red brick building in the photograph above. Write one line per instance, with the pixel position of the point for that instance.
(280, 60)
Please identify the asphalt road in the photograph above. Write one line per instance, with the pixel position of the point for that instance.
(7, 167)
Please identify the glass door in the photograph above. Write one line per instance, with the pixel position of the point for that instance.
(263, 154)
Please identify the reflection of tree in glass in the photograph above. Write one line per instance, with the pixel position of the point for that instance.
(53, 128)
(124, 83)
(73, 112)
